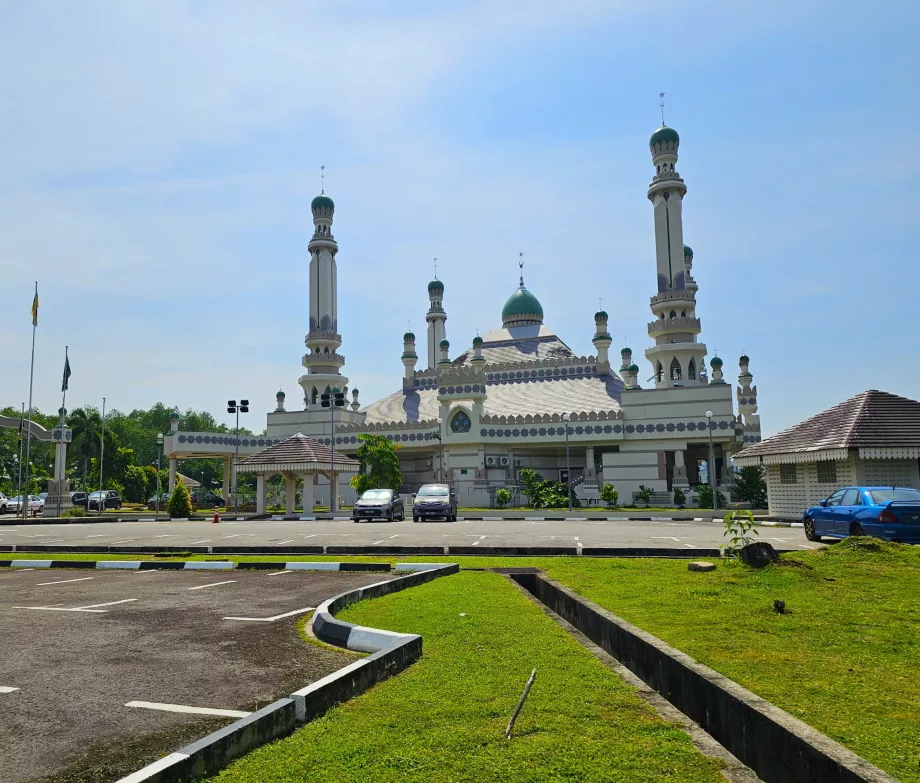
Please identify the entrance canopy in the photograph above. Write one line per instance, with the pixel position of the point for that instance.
(298, 454)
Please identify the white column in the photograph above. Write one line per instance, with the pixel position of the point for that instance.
(261, 492)
(308, 493)
(290, 489)
(226, 492)
(680, 470)
(172, 473)
(590, 473)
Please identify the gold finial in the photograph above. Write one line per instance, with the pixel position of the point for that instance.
(661, 97)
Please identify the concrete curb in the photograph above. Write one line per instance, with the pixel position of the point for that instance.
(777, 746)
(392, 652)
(194, 565)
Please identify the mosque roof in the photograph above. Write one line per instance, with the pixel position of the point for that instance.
(520, 305)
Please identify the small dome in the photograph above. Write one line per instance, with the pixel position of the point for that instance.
(174, 415)
(688, 251)
(477, 340)
(625, 351)
(633, 368)
(445, 344)
(408, 337)
(662, 135)
(716, 362)
(745, 359)
(435, 285)
(322, 201)
(280, 395)
(336, 390)
(354, 392)
(522, 308)
(600, 315)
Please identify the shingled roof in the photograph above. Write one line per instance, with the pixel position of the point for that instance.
(297, 453)
(873, 419)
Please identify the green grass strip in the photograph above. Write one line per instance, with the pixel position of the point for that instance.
(845, 658)
(443, 719)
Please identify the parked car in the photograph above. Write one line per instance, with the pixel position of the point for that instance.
(434, 500)
(889, 513)
(34, 504)
(79, 498)
(383, 503)
(107, 498)
(4, 503)
(152, 502)
(43, 496)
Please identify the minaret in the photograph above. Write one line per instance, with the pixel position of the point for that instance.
(437, 320)
(409, 359)
(444, 349)
(677, 357)
(478, 359)
(747, 404)
(602, 341)
(323, 362)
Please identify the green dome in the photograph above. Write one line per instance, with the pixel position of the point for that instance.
(445, 344)
(435, 285)
(688, 251)
(745, 359)
(662, 135)
(600, 315)
(477, 340)
(522, 306)
(322, 201)
(625, 351)
(633, 368)
(408, 337)
(354, 392)
(174, 415)
(716, 362)
(280, 394)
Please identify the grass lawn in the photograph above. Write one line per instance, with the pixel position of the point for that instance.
(443, 719)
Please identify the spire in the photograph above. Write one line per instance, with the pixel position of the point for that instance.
(661, 97)
(322, 169)
(521, 266)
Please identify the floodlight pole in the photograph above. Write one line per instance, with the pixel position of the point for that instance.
(568, 466)
(233, 407)
(333, 495)
(712, 465)
(159, 453)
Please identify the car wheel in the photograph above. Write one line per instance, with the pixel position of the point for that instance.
(415, 519)
(857, 530)
(810, 533)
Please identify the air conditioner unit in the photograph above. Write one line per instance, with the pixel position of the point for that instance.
(504, 462)
(519, 462)
(490, 461)
(428, 463)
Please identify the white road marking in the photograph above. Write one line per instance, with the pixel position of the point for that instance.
(805, 546)
(203, 541)
(91, 609)
(122, 542)
(212, 584)
(98, 535)
(272, 619)
(153, 705)
(165, 535)
(378, 542)
(284, 542)
(690, 546)
(65, 581)
(778, 539)
(235, 535)
(311, 535)
(396, 536)
(7, 689)
(279, 573)
(667, 537)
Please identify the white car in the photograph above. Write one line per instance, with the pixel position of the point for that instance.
(4, 503)
(35, 505)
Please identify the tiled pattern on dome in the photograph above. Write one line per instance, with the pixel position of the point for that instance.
(511, 397)
(520, 351)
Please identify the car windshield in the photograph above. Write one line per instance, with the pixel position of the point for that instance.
(16, 499)
(98, 495)
(887, 495)
(376, 494)
(433, 492)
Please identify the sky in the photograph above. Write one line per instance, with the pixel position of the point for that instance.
(160, 158)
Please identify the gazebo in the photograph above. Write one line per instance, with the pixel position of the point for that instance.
(295, 456)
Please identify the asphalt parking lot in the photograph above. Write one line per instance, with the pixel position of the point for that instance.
(102, 672)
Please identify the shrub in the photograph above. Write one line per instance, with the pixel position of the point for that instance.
(739, 529)
(609, 495)
(680, 499)
(502, 497)
(749, 485)
(704, 497)
(75, 511)
(644, 494)
(545, 494)
(180, 502)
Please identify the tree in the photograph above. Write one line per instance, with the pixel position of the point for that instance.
(502, 497)
(379, 464)
(544, 493)
(644, 494)
(704, 497)
(749, 485)
(86, 424)
(180, 502)
(609, 495)
(680, 499)
(135, 481)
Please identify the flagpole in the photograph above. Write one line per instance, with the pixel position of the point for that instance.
(24, 496)
(22, 418)
(102, 460)
(63, 411)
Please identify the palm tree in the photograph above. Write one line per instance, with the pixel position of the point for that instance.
(86, 424)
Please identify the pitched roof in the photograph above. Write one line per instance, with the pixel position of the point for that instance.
(297, 452)
(871, 419)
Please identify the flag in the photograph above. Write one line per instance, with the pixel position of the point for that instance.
(66, 373)
(35, 307)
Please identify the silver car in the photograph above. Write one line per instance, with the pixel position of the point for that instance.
(383, 503)
(34, 504)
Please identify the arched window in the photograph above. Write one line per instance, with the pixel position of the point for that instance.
(691, 370)
(460, 422)
(659, 373)
(315, 396)
(683, 313)
(675, 370)
(673, 314)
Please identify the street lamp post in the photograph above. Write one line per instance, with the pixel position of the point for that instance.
(568, 467)
(159, 453)
(711, 468)
(437, 435)
(232, 407)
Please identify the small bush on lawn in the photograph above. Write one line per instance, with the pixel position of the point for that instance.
(75, 511)
(502, 497)
(609, 495)
(180, 502)
(680, 499)
(704, 497)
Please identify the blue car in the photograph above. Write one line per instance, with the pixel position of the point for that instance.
(889, 513)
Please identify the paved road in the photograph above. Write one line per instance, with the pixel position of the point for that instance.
(80, 646)
(339, 532)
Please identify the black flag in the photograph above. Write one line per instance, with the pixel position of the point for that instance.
(66, 373)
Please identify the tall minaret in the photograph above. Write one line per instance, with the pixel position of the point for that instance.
(436, 318)
(677, 357)
(323, 362)
(747, 403)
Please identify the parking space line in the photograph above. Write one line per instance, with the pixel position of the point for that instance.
(65, 581)
(92, 609)
(805, 546)
(127, 540)
(373, 543)
(7, 689)
(203, 541)
(284, 542)
(98, 535)
(165, 535)
(153, 705)
(272, 619)
(212, 584)
(279, 573)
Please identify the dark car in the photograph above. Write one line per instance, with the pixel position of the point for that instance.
(889, 513)
(79, 498)
(164, 499)
(434, 500)
(108, 498)
(383, 503)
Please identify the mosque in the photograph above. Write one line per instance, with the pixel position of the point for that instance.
(518, 397)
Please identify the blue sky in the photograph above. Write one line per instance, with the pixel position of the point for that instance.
(161, 157)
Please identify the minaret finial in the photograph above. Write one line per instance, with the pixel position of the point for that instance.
(322, 179)
(600, 303)
(521, 266)
(661, 96)
(436, 269)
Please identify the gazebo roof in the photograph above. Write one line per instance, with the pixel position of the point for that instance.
(298, 453)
